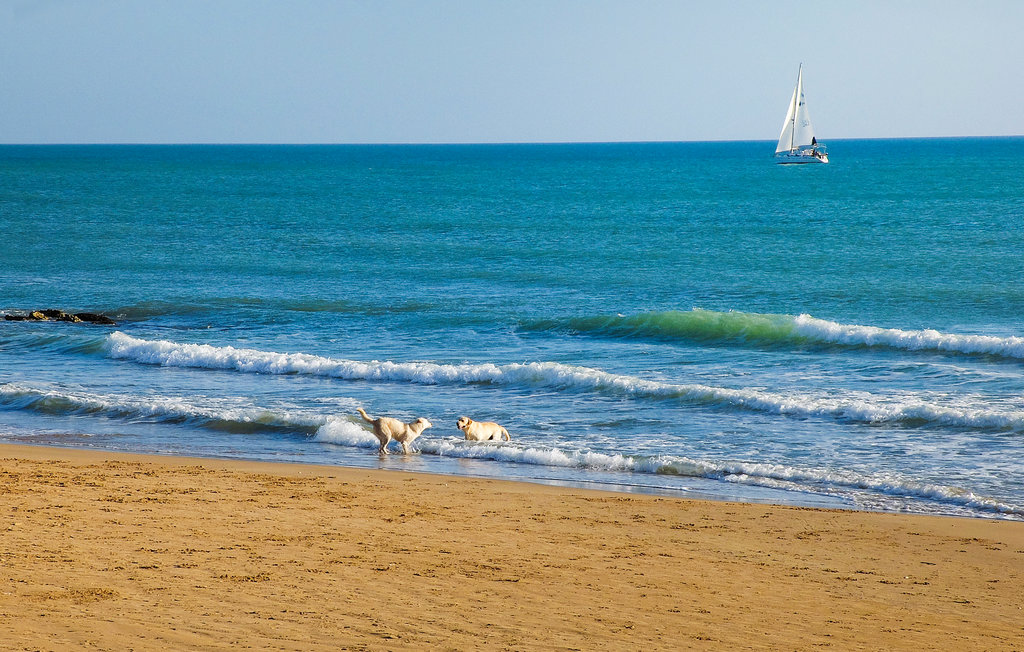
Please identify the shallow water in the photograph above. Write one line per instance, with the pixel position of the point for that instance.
(684, 318)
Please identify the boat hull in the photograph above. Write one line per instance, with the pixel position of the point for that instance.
(799, 159)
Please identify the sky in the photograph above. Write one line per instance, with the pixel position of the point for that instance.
(493, 71)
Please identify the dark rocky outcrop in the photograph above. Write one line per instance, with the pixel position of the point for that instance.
(95, 318)
(59, 315)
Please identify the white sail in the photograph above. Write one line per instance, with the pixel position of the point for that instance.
(786, 137)
(797, 132)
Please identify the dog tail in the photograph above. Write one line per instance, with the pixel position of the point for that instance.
(366, 417)
(504, 433)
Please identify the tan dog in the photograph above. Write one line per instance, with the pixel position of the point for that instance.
(482, 430)
(387, 429)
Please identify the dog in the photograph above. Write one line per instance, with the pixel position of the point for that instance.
(482, 430)
(386, 429)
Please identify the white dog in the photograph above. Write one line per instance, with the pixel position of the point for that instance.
(482, 430)
(387, 429)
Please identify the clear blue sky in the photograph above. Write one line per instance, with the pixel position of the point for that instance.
(408, 71)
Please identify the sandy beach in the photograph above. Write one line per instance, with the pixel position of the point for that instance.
(115, 551)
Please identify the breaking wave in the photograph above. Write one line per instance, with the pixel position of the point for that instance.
(781, 330)
(240, 417)
(909, 340)
(215, 414)
(779, 476)
(854, 407)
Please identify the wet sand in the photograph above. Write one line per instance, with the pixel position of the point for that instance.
(120, 552)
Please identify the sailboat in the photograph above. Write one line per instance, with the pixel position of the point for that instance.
(797, 143)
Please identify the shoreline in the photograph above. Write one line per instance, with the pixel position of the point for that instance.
(699, 488)
(122, 550)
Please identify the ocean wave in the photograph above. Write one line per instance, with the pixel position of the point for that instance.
(696, 325)
(862, 407)
(228, 415)
(882, 484)
(908, 340)
(46, 338)
(238, 416)
(780, 330)
(779, 476)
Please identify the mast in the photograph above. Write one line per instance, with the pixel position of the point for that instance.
(788, 142)
(796, 105)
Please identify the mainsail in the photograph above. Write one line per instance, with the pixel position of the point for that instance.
(797, 132)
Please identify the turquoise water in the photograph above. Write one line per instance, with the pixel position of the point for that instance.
(685, 318)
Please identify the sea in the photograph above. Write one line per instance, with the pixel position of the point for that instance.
(682, 319)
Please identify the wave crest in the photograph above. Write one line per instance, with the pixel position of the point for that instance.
(863, 408)
(908, 340)
(696, 324)
(781, 330)
(225, 415)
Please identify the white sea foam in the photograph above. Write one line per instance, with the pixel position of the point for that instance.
(779, 476)
(911, 340)
(175, 409)
(864, 408)
(884, 484)
(344, 431)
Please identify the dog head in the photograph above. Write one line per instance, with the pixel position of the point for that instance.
(463, 423)
(423, 424)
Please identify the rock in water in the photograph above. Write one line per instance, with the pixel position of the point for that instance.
(51, 314)
(95, 318)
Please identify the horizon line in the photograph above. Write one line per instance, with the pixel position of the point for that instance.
(466, 143)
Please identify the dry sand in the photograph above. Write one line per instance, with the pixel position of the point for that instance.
(128, 552)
